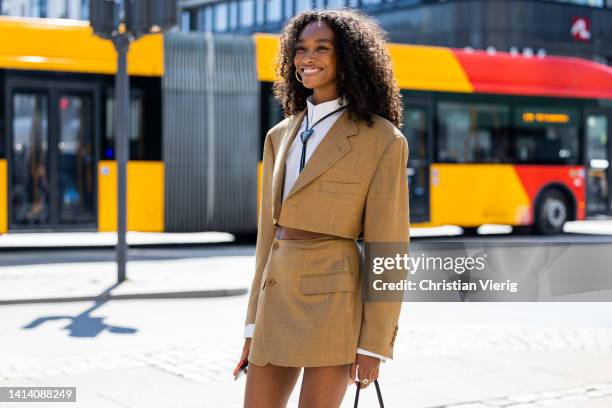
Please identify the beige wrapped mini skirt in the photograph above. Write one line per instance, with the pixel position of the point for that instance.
(310, 308)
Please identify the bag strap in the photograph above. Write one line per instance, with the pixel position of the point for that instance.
(378, 393)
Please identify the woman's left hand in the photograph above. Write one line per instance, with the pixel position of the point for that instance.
(365, 367)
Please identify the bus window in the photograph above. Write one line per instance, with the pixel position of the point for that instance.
(545, 135)
(415, 130)
(598, 162)
(472, 132)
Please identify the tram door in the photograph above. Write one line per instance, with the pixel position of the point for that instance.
(598, 162)
(52, 160)
(417, 126)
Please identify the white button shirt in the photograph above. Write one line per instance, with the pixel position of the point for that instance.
(292, 165)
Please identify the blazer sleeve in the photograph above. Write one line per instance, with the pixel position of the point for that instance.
(266, 229)
(386, 219)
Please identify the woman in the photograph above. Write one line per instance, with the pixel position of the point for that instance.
(333, 171)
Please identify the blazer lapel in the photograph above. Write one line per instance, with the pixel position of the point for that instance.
(278, 177)
(332, 148)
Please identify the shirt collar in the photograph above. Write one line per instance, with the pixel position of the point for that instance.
(316, 112)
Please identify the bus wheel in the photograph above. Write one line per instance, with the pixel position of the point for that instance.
(551, 213)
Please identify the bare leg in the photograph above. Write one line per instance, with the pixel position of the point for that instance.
(269, 386)
(324, 387)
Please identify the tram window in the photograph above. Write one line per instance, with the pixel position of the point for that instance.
(2, 137)
(143, 143)
(472, 132)
(545, 135)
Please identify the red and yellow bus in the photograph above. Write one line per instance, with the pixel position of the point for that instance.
(499, 138)
(494, 139)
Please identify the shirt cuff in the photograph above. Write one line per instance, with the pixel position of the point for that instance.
(369, 353)
(249, 329)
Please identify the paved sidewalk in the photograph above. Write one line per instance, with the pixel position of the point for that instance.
(106, 239)
(177, 278)
(180, 354)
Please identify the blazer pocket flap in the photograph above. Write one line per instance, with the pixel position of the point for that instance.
(336, 187)
(327, 283)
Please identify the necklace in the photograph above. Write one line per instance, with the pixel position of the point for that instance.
(305, 135)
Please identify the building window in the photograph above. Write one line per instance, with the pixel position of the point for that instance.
(273, 12)
(233, 15)
(185, 21)
(246, 13)
(302, 5)
(208, 19)
(336, 3)
(260, 9)
(288, 9)
(591, 3)
(221, 17)
(38, 8)
(204, 19)
(472, 133)
(85, 9)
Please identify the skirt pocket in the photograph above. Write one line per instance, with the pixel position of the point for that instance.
(327, 283)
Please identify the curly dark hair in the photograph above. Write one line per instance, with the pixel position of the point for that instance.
(363, 66)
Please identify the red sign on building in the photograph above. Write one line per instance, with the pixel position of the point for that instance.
(581, 29)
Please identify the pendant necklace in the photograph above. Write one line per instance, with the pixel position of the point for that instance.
(305, 135)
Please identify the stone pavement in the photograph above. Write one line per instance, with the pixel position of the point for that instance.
(73, 281)
(180, 353)
(157, 352)
(106, 239)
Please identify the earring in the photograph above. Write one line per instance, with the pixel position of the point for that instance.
(297, 77)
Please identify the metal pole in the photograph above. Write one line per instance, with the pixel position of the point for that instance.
(122, 85)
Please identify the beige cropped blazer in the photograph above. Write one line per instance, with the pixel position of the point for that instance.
(354, 185)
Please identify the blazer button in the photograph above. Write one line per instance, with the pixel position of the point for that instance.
(272, 282)
(275, 245)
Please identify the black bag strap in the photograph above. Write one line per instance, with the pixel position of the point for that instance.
(380, 400)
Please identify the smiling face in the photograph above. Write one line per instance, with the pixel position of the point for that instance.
(315, 60)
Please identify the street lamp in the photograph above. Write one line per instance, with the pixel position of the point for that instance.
(122, 21)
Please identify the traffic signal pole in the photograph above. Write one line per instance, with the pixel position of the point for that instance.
(121, 21)
(122, 118)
